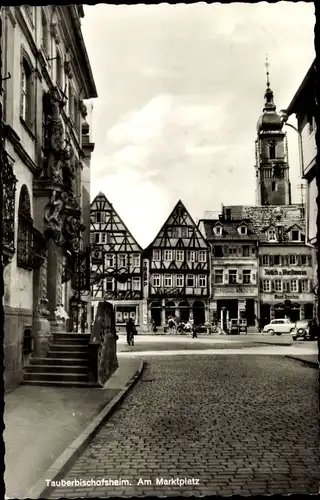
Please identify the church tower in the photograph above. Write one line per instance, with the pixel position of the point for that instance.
(272, 169)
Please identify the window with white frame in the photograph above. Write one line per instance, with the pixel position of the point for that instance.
(136, 260)
(272, 235)
(304, 285)
(168, 255)
(202, 256)
(109, 284)
(233, 251)
(277, 260)
(109, 260)
(232, 276)
(122, 286)
(217, 230)
(266, 285)
(156, 255)
(179, 255)
(202, 280)
(246, 251)
(265, 260)
(136, 284)
(26, 92)
(293, 260)
(190, 280)
(96, 237)
(167, 280)
(122, 260)
(243, 230)
(156, 280)
(218, 276)
(101, 217)
(179, 280)
(191, 256)
(277, 285)
(246, 276)
(110, 238)
(175, 232)
(294, 285)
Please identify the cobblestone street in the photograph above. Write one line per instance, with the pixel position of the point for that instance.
(229, 424)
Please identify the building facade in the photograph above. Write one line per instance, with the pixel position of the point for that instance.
(285, 266)
(116, 263)
(177, 272)
(47, 77)
(234, 269)
(272, 168)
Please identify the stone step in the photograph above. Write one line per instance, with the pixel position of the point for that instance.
(70, 354)
(59, 361)
(75, 369)
(56, 377)
(69, 335)
(68, 348)
(61, 383)
(67, 341)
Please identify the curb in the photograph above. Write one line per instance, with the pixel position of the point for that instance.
(314, 364)
(75, 449)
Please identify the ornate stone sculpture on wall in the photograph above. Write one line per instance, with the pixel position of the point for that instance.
(68, 167)
(53, 106)
(52, 217)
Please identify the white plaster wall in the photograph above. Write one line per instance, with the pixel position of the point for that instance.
(308, 145)
(312, 208)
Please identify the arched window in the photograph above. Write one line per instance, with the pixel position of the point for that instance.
(25, 229)
(26, 92)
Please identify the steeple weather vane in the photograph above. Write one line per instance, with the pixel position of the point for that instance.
(267, 65)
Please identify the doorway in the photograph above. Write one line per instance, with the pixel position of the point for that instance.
(184, 309)
(199, 312)
(156, 309)
(250, 312)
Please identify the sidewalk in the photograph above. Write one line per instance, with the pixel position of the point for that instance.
(311, 359)
(41, 422)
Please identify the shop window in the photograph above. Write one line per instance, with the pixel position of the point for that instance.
(25, 229)
(179, 255)
(232, 276)
(202, 281)
(246, 276)
(156, 255)
(156, 280)
(218, 276)
(190, 280)
(179, 280)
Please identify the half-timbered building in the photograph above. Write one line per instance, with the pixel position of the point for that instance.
(178, 282)
(116, 263)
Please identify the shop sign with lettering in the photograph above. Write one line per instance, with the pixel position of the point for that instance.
(285, 272)
(235, 291)
(145, 278)
(282, 296)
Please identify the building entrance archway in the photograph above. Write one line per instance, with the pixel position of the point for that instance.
(170, 309)
(184, 310)
(156, 309)
(199, 312)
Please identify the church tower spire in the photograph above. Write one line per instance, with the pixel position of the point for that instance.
(272, 169)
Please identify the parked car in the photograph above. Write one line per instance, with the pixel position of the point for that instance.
(278, 326)
(304, 328)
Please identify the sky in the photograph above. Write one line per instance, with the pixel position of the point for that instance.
(181, 88)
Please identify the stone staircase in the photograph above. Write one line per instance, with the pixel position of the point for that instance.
(66, 363)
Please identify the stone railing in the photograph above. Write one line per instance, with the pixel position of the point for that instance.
(102, 346)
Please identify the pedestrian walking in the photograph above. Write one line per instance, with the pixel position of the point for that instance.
(131, 331)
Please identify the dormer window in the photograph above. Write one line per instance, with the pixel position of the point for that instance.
(218, 230)
(295, 235)
(242, 230)
(272, 235)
